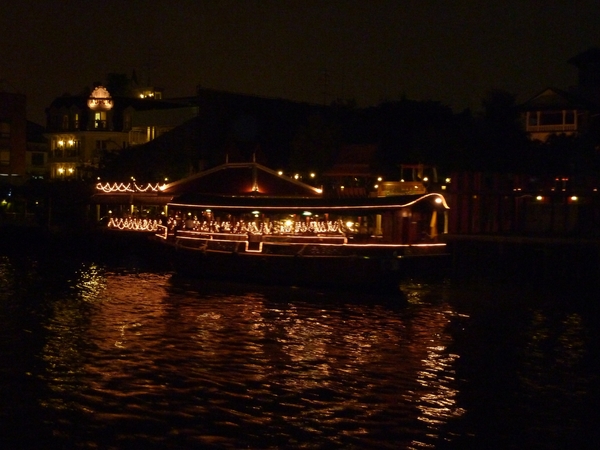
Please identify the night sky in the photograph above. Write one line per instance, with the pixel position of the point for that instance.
(315, 51)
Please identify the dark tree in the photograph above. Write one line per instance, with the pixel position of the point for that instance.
(315, 145)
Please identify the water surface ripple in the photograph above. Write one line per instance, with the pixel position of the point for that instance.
(101, 357)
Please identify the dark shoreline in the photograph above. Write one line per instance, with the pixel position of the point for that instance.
(547, 262)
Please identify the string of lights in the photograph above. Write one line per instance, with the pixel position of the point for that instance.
(266, 228)
(133, 224)
(129, 187)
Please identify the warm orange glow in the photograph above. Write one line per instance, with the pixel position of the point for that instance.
(100, 99)
(133, 224)
(325, 241)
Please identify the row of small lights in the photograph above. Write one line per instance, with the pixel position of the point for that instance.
(313, 175)
(539, 198)
(573, 198)
(133, 224)
(130, 187)
(287, 226)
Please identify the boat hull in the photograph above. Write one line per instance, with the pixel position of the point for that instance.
(373, 271)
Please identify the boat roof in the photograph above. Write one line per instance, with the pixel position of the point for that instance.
(227, 180)
(242, 179)
(252, 186)
(370, 204)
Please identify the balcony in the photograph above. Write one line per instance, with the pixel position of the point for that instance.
(556, 128)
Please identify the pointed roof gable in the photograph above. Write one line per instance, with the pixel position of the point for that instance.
(242, 179)
(552, 98)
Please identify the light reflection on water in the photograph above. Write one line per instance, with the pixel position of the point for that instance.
(123, 359)
(253, 367)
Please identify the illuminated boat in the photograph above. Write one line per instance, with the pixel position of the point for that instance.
(246, 222)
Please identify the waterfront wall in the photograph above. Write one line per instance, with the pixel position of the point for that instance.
(509, 204)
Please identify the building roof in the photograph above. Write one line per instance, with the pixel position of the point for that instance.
(35, 133)
(553, 98)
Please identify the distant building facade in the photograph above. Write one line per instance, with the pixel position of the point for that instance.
(555, 111)
(81, 128)
(13, 137)
(36, 157)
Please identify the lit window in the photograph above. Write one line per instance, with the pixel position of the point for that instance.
(4, 157)
(100, 120)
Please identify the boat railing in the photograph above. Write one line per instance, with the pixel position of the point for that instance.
(317, 239)
(164, 233)
(283, 244)
(185, 234)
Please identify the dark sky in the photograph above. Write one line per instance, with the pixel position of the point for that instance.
(449, 51)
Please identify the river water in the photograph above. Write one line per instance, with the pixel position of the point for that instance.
(118, 354)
